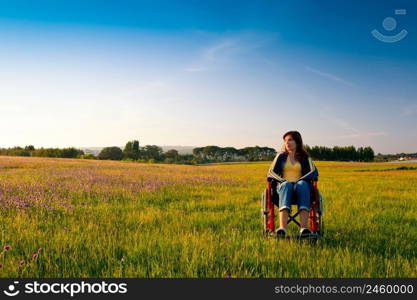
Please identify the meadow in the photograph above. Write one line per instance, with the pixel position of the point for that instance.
(88, 218)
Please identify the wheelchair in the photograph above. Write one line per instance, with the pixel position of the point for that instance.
(270, 199)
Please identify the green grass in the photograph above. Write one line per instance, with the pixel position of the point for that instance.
(121, 219)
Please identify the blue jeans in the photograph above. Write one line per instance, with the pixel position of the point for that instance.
(286, 192)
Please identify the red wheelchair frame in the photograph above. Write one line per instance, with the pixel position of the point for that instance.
(268, 209)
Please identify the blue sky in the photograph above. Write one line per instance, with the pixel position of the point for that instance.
(228, 73)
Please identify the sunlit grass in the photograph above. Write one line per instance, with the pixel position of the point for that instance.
(122, 219)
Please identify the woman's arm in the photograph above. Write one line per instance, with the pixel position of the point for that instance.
(271, 173)
(313, 174)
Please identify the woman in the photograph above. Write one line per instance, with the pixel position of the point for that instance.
(294, 171)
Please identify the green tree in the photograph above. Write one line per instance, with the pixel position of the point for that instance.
(30, 148)
(151, 152)
(112, 153)
(171, 155)
(135, 149)
(127, 151)
(131, 150)
(368, 154)
(70, 152)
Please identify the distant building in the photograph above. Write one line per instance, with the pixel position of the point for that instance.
(407, 158)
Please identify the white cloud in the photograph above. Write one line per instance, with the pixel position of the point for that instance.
(227, 49)
(362, 135)
(353, 133)
(329, 76)
(220, 50)
(213, 55)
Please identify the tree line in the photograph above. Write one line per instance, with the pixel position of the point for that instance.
(30, 150)
(388, 157)
(208, 154)
(346, 153)
(226, 154)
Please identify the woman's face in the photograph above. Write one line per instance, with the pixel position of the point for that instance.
(290, 144)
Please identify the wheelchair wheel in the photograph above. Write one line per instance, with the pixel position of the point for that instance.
(321, 226)
(264, 211)
(320, 216)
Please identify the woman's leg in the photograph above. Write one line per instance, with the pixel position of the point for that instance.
(285, 191)
(302, 189)
(283, 218)
(304, 219)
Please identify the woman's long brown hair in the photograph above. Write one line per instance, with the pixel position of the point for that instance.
(300, 151)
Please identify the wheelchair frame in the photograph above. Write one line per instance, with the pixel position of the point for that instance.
(268, 209)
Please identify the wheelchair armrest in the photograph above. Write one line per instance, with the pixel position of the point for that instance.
(273, 182)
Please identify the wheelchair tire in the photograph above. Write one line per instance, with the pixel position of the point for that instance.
(321, 226)
(264, 210)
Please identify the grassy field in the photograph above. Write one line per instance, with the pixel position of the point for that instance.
(83, 218)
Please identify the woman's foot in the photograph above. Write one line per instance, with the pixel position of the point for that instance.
(305, 232)
(281, 232)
